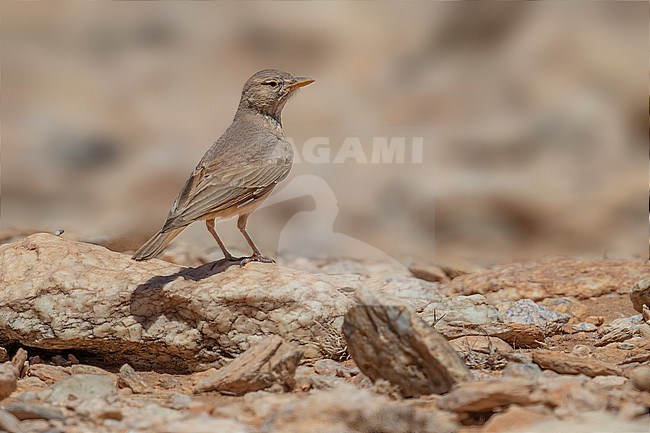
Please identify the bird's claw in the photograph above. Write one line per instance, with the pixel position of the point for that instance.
(226, 262)
(255, 258)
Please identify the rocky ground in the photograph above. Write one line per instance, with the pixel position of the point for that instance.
(94, 342)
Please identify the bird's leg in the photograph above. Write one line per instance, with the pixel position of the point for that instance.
(257, 256)
(210, 225)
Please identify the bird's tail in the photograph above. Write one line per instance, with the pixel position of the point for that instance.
(156, 244)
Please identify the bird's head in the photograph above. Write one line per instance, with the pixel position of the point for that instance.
(268, 90)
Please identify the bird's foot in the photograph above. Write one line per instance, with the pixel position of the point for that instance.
(226, 262)
(255, 258)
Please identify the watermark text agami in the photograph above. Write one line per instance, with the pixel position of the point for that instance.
(381, 150)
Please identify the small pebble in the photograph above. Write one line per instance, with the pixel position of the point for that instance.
(39, 425)
(529, 371)
(584, 327)
(630, 411)
(519, 357)
(60, 361)
(609, 381)
(180, 401)
(596, 320)
(581, 350)
(640, 377)
(168, 382)
(625, 346)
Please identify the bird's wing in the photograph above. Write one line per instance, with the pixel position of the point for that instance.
(213, 189)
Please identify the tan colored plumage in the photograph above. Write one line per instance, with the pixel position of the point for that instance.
(240, 169)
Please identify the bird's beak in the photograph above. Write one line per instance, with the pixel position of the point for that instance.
(301, 82)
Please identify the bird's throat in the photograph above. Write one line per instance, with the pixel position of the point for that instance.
(272, 117)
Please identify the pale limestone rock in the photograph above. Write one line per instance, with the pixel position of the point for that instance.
(481, 344)
(24, 411)
(512, 418)
(569, 364)
(529, 312)
(473, 316)
(556, 276)
(640, 377)
(271, 361)
(488, 395)
(61, 294)
(81, 387)
(47, 373)
(130, 378)
(347, 409)
(203, 424)
(589, 422)
(429, 272)
(9, 423)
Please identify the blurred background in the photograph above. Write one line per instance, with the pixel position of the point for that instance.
(533, 120)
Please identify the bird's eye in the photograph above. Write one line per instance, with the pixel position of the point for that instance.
(272, 83)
